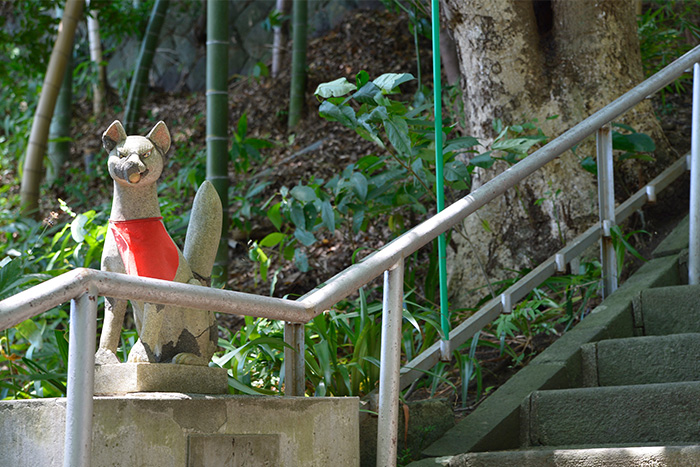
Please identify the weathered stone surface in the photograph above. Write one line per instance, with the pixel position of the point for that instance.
(667, 310)
(124, 378)
(138, 244)
(495, 424)
(643, 360)
(157, 429)
(651, 413)
(633, 456)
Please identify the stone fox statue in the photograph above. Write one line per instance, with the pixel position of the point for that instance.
(138, 244)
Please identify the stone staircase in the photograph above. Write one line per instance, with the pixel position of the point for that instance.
(621, 389)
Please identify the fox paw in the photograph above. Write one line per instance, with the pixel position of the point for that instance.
(186, 358)
(139, 354)
(105, 357)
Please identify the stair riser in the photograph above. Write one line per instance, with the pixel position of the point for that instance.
(662, 456)
(642, 360)
(653, 413)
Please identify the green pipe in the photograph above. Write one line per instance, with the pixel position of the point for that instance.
(439, 179)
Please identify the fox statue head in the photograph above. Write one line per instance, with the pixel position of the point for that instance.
(136, 160)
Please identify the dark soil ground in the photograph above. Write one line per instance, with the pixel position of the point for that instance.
(378, 42)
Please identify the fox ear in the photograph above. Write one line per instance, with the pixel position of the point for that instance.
(160, 137)
(114, 135)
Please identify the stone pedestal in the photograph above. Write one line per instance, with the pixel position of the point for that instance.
(125, 378)
(173, 429)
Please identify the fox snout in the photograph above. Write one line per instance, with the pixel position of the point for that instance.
(130, 168)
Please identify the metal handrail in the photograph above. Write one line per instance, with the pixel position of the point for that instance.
(82, 286)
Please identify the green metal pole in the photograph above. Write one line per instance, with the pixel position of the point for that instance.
(439, 185)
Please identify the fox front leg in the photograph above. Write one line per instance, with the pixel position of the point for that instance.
(115, 310)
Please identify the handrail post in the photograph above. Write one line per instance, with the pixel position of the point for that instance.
(294, 373)
(81, 379)
(694, 241)
(392, 315)
(606, 206)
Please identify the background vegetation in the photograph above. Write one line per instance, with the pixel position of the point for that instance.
(373, 198)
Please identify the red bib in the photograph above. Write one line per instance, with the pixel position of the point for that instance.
(146, 248)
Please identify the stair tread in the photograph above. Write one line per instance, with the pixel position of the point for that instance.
(675, 455)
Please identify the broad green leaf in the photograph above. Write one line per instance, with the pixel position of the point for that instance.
(342, 114)
(297, 215)
(464, 142)
(274, 215)
(359, 185)
(30, 331)
(337, 88)
(304, 236)
(272, 239)
(397, 132)
(389, 81)
(301, 260)
(589, 165)
(77, 228)
(367, 94)
(484, 161)
(361, 78)
(456, 170)
(328, 216)
(634, 142)
(305, 194)
(520, 145)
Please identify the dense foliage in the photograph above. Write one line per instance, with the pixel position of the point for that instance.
(392, 186)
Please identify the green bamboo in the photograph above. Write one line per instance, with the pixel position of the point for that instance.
(298, 86)
(217, 121)
(59, 131)
(139, 82)
(33, 168)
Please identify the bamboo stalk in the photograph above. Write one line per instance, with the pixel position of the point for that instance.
(33, 169)
(217, 121)
(98, 88)
(298, 86)
(139, 82)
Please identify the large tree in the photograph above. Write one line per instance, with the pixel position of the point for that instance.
(527, 59)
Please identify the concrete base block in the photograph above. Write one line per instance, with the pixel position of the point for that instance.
(171, 429)
(125, 378)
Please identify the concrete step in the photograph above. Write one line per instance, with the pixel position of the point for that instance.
(641, 360)
(668, 310)
(651, 413)
(632, 456)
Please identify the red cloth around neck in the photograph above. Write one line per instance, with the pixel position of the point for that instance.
(146, 248)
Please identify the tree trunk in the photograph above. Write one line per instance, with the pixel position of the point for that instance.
(33, 169)
(281, 37)
(522, 60)
(98, 88)
(217, 121)
(298, 86)
(139, 83)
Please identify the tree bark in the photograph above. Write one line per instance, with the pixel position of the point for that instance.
(33, 169)
(522, 60)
